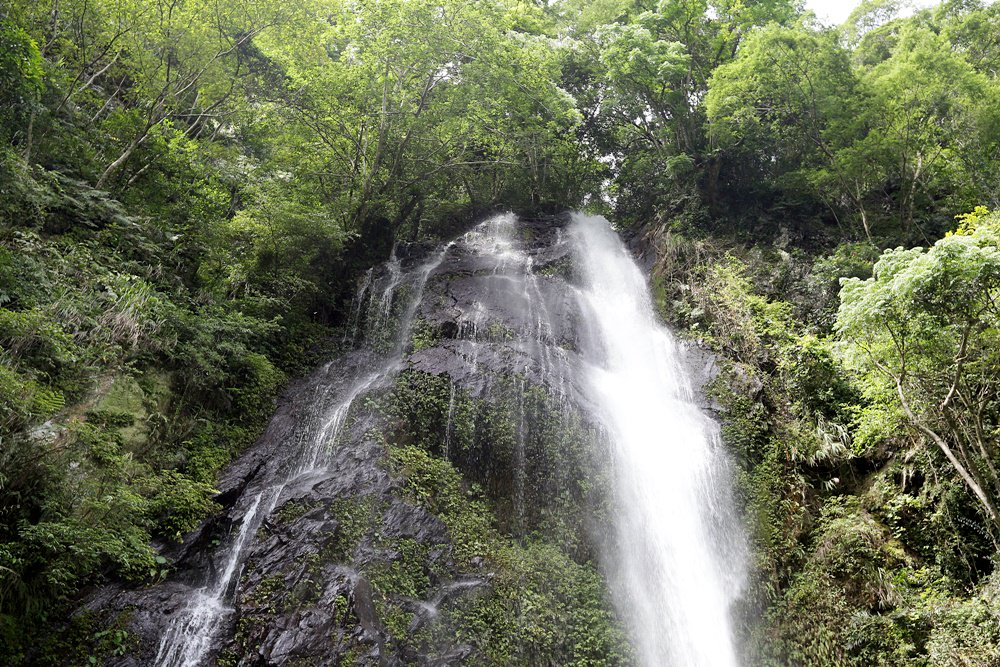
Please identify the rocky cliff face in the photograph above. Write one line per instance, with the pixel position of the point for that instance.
(455, 510)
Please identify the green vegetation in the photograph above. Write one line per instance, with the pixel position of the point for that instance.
(925, 327)
(539, 605)
(864, 421)
(188, 190)
(814, 126)
(484, 438)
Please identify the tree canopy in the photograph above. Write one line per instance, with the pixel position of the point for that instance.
(928, 324)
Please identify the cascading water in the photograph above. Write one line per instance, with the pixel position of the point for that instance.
(677, 564)
(189, 637)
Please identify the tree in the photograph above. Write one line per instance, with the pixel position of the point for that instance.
(20, 78)
(644, 93)
(397, 110)
(785, 109)
(891, 141)
(932, 125)
(137, 66)
(928, 324)
(970, 26)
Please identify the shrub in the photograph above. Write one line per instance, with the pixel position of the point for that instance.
(178, 504)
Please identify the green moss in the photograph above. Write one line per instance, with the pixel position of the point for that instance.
(540, 602)
(307, 588)
(541, 474)
(540, 606)
(258, 606)
(289, 512)
(355, 516)
(746, 425)
(267, 593)
(125, 395)
(112, 418)
(342, 608)
(498, 332)
(427, 411)
(395, 619)
(562, 268)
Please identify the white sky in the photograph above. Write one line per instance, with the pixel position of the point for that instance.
(836, 11)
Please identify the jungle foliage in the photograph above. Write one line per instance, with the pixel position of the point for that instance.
(189, 188)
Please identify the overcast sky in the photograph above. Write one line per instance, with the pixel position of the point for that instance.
(836, 11)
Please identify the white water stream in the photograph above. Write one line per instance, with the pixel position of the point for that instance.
(678, 562)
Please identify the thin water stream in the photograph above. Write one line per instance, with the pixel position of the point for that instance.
(189, 637)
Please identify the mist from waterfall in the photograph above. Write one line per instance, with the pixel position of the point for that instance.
(677, 563)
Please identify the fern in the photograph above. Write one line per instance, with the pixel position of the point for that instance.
(47, 402)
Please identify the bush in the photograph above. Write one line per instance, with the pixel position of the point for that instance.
(541, 606)
(968, 628)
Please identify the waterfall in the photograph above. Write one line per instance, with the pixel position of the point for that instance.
(562, 309)
(677, 563)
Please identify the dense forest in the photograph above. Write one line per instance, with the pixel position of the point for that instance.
(191, 189)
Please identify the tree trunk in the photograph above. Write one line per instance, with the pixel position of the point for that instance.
(122, 159)
(964, 473)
